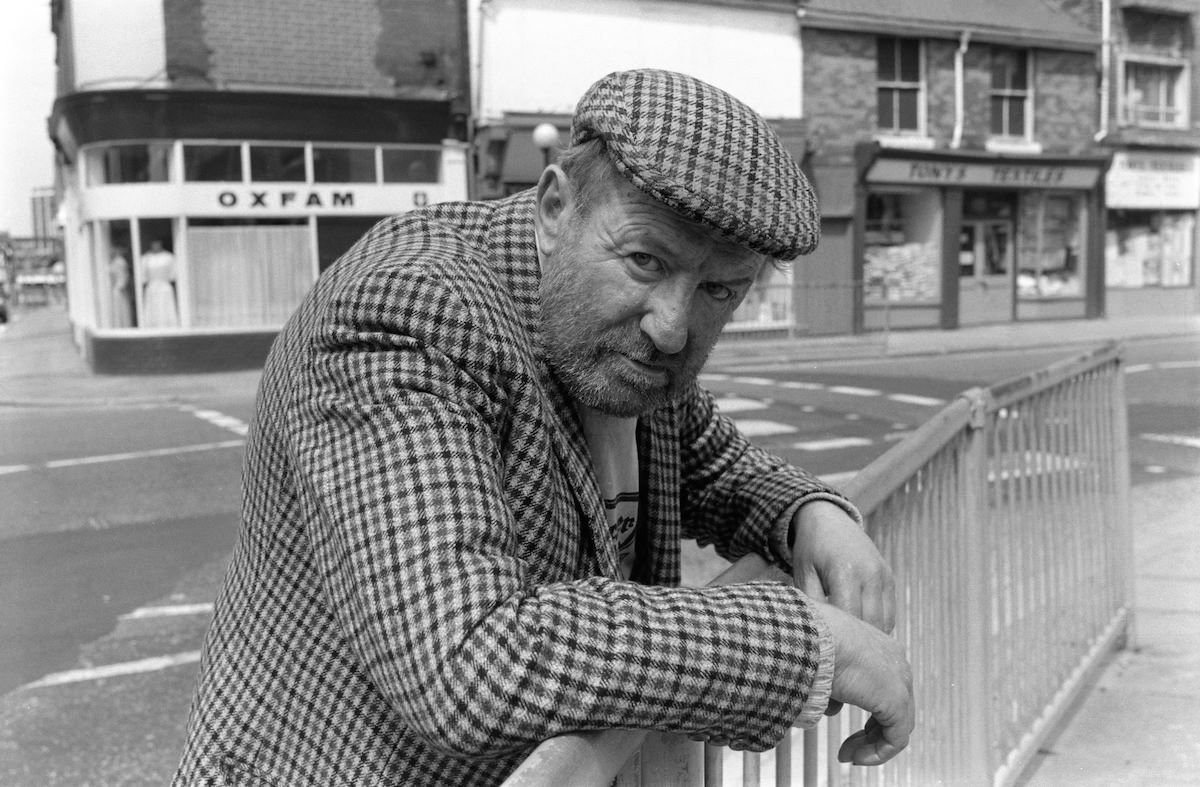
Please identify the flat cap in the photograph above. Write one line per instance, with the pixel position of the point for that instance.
(704, 154)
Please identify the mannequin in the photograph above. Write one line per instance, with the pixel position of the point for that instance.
(120, 290)
(158, 282)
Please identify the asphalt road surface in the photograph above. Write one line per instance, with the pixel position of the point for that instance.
(118, 521)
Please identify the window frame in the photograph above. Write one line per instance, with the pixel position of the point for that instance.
(1183, 110)
(1025, 95)
(897, 86)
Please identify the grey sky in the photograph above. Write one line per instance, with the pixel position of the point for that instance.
(26, 96)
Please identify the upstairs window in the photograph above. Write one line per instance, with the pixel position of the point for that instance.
(1010, 93)
(214, 163)
(1154, 79)
(343, 165)
(130, 163)
(1154, 94)
(281, 163)
(898, 84)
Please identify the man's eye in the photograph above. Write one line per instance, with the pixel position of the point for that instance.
(718, 291)
(647, 262)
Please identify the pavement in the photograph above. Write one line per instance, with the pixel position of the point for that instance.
(1136, 725)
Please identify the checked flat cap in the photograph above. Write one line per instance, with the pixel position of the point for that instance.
(704, 154)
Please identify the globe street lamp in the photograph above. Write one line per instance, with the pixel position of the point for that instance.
(545, 136)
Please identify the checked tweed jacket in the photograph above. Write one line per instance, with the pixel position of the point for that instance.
(424, 586)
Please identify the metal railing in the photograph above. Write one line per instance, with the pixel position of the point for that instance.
(1006, 520)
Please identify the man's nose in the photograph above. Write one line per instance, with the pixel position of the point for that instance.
(667, 317)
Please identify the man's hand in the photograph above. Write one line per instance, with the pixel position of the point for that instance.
(871, 672)
(834, 560)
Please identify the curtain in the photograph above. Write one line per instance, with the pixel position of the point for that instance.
(247, 276)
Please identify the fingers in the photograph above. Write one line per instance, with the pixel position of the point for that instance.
(875, 744)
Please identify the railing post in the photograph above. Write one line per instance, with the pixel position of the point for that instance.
(977, 696)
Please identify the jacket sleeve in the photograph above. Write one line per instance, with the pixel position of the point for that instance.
(736, 496)
(398, 421)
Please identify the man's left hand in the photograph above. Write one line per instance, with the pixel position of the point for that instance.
(833, 560)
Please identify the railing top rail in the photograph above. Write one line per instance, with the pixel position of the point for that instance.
(1013, 390)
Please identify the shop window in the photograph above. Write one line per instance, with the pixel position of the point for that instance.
(1010, 93)
(898, 84)
(411, 165)
(212, 163)
(768, 303)
(157, 275)
(1154, 94)
(1051, 246)
(131, 163)
(115, 287)
(247, 273)
(1149, 248)
(277, 163)
(902, 247)
(343, 165)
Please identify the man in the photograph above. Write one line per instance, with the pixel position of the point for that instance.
(478, 444)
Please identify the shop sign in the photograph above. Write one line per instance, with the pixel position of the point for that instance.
(975, 174)
(285, 199)
(1156, 181)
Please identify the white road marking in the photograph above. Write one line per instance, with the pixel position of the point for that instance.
(1173, 439)
(802, 386)
(892, 437)
(55, 464)
(1155, 469)
(737, 404)
(924, 401)
(831, 443)
(1179, 365)
(1133, 368)
(713, 377)
(168, 610)
(752, 380)
(217, 418)
(850, 390)
(115, 670)
(758, 428)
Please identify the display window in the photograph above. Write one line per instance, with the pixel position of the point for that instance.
(1050, 251)
(1149, 248)
(768, 304)
(902, 249)
(247, 273)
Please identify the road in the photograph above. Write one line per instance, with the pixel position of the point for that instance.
(118, 522)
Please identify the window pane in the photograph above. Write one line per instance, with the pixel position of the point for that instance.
(885, 64)
(401, 165)
(887, 115)
(212, 163)
(1016, 117)
(1020, 76)
(910, 60)
(908, 110)
(135, 163)
(277, 163)
(344, 165)
(997, 124)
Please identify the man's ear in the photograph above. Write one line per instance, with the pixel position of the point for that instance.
(555, 201)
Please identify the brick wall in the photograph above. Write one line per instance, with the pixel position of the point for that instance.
(839, 88)
(1066, 101)
(404, 47)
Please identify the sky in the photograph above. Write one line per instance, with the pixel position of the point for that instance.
(26, 97)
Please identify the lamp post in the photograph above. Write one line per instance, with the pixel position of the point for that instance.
(545, 136)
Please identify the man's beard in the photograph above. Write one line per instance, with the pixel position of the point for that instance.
(586, 357)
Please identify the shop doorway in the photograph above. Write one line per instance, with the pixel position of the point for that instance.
(986, 255)
(985, 272)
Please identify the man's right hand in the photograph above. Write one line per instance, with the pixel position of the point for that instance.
(871, 672)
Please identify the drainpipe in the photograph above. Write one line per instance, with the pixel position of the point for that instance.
(1105, 66)
(964, 40)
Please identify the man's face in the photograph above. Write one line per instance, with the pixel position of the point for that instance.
(634, 297)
